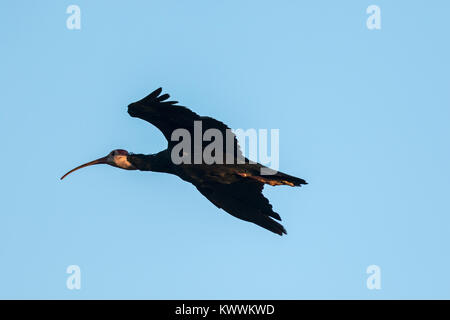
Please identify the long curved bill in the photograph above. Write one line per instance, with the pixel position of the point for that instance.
(98, 161)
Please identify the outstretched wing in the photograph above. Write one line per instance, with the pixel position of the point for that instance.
(244, 200)
(167, 116)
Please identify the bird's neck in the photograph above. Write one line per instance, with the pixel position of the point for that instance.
(159, 162)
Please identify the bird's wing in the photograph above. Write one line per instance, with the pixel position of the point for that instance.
(167, 116)
(244, 200)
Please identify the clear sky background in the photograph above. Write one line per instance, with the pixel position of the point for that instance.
(363, 117)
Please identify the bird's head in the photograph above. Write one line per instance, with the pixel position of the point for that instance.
(116, 158)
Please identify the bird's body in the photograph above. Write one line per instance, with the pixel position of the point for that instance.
(235, 186)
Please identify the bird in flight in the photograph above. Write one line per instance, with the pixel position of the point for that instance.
(234, 186)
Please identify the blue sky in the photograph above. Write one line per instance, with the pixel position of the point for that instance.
(363, 117)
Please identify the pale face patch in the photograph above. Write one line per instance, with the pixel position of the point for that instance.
(121, 161)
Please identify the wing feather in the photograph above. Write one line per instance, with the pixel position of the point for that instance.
(167, 116)
(244, 200)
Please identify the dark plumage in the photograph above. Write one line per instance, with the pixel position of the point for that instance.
(236, 188)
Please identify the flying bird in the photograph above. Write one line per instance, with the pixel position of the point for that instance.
(234, 186)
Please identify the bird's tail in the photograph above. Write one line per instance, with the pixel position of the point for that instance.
(288, 179)
(277, 179)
